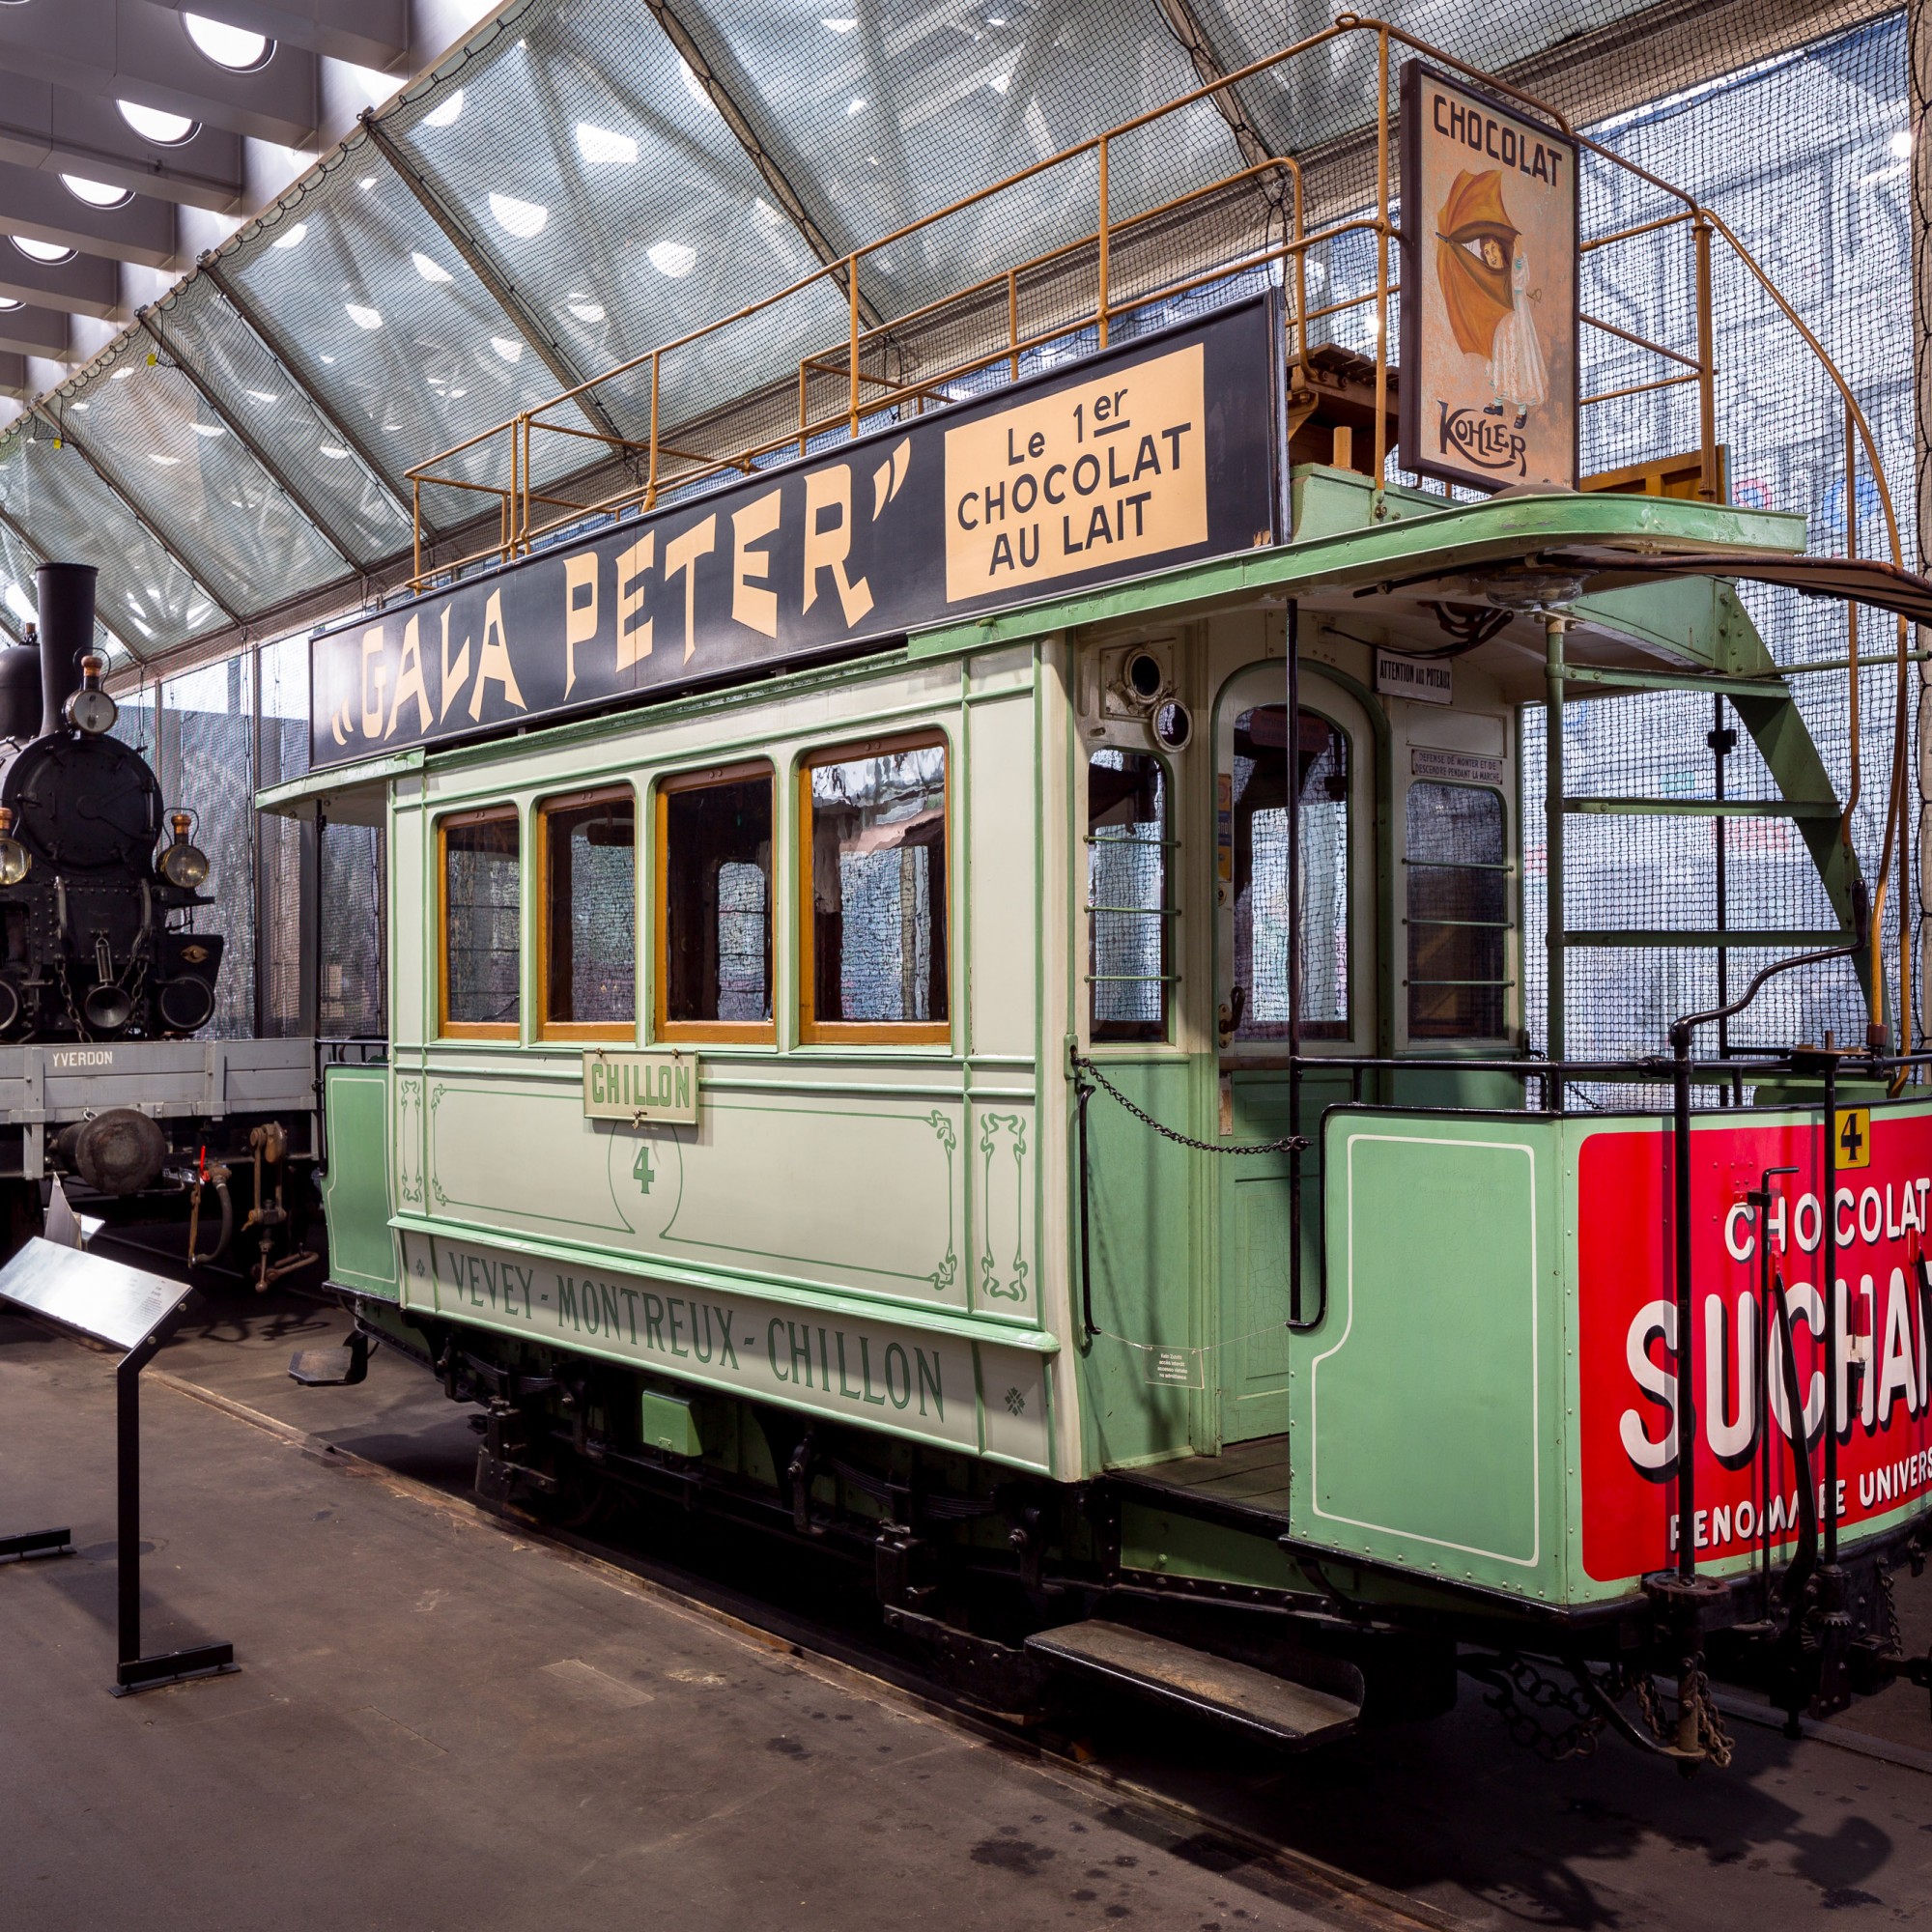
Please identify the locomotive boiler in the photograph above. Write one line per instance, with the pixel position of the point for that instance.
(99, 938)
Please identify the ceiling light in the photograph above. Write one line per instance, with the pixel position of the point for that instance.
(166, 462)
(430, 271)
(156, 124)
(364, 317)
(600, 147)
(97, 194)
(855, 105)
(18, 601)
(695, 87)
(41, 251)
(587, 311)
(8, 301)
(456, 394)
(521, 218)
(1000, 83)
(366, 183)
(838, 26)
(233, 48)
(507, 347)
(122, 374)
(674, 259)
(1901, 143)
(261, 395)
(208, 429)
(443, 116)
(330, 361)
(334, 450)
(292, 239)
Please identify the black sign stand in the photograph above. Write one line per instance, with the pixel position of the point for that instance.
(136, 1311)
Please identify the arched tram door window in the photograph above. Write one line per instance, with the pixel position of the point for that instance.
(1331, 754)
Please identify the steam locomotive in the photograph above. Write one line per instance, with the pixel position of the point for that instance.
(96, 932)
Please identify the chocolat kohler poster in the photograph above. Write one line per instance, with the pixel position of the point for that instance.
(1489, 289)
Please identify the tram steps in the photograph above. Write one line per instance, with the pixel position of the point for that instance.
(1256, 1702)
(1708, 808)
(1797, 939)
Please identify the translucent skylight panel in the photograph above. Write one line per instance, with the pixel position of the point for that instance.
(405, 360)
(1331, 90)
(19, 591)
(882, 121)
(143, 596)
(200, 484)
(618, 202)
(360, 512)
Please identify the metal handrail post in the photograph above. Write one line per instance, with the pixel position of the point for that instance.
(1381, 262)
(1553, 848)
(1707, 365)
(1101, 229)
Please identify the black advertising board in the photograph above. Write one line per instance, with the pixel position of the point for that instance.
(1489, 289)
(1154, 453)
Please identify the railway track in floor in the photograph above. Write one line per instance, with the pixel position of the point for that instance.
(1282, 1871)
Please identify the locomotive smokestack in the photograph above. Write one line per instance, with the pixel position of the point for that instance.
(67, 634)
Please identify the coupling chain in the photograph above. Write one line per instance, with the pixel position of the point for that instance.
(1894, 1637)
(1576, 1739)
(1286, 1144)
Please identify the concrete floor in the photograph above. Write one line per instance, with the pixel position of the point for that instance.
(440, 1724)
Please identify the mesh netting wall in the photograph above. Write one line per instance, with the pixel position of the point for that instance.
(1805, 159)
(352, 913)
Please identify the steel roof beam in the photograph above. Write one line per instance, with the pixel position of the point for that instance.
(1187, 28)
(88, 285)
(129, 50)
(35, 204)
(370, 33)
(210, 267)
(65, 133)
(115, 487)
(722, 97)
(14, 382)
(522, 317)
(37, 332)
(245, 436)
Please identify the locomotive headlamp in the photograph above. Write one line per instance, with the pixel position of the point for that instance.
(89, 709)
(15, 858)
(182, 864)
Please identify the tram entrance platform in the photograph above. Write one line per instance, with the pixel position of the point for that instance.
(1246, 1478)
(440, 1721)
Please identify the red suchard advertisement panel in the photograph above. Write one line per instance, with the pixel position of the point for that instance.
(1628, 1368)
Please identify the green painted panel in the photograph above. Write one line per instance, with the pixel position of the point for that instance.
(1428, 1392)
(356, 1190)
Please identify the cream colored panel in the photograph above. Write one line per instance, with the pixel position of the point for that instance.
(1001, 869)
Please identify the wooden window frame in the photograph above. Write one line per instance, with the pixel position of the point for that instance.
(445, 1026)
(719, 1033)
(585, 1029)
(813, 1030)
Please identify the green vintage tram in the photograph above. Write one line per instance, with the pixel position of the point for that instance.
(958, 975)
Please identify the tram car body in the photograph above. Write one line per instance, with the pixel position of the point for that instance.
(872, 1098)
(108, 963)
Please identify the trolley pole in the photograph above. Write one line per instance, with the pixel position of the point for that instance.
(1554, 625)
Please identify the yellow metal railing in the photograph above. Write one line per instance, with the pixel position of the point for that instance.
(671, 458)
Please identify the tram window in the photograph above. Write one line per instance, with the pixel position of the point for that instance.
(714, 905)
(589, 847)
(482, 909)
(1258, 795)
(1458, 912)
(875, 929)
(1127, 894)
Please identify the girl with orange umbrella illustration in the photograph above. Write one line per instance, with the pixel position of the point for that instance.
(1484, 274)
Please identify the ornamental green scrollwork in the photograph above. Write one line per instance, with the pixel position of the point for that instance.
(946, 1273)
(409, 1099)
(1007, 1282)
(435, 1101)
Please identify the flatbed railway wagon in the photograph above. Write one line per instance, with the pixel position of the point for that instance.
(958, 985)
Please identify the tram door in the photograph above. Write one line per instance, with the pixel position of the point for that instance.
(1328, 753)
